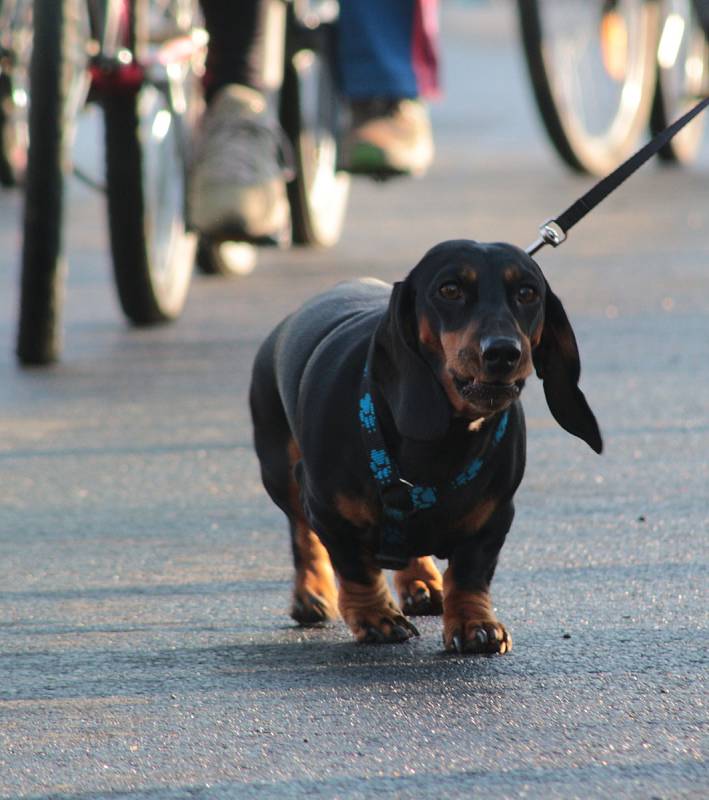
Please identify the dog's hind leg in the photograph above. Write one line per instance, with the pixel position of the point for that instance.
(315, 593)
(420, 588)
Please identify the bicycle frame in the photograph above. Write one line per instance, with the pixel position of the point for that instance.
(120, 60)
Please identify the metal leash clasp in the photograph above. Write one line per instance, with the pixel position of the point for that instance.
(549, 233)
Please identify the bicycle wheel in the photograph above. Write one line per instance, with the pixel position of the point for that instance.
(15, 51)
(310, 117)
(592, 66)
(146, 155)
(58, 85)
(682, 77)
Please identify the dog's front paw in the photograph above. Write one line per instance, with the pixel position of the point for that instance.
(471, 636)
(382, 627)
(470, 625)
(372, 615)
(420, 588)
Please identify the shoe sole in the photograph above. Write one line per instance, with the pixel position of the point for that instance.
(367, 159)
(233, 233)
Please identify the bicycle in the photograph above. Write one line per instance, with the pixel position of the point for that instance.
(15, 49)
(682, 74)
(599, 78)
(139, 61)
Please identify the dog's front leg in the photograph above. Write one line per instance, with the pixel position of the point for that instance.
(370, 611)
(364, 600)
(469, 621)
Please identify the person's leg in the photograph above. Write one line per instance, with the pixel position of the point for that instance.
(237, 190)
(387, 59)
(235, 49)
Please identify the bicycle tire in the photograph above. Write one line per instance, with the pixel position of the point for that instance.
(682, 78)
(581, 148)
(309, 113)
(152, 251)
(52, 80)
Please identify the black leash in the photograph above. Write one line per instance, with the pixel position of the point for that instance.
(554, 231)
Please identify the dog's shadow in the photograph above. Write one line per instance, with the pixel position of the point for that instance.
(328, 657)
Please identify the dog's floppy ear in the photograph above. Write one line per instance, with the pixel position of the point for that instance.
(556, 360)
(414, 395)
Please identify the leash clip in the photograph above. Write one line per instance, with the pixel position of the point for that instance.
(549, 233)
(552, 233)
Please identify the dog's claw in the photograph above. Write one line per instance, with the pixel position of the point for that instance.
(389, 631)
(373, 636)
(309, 610)
(458, 643)
(400, 633)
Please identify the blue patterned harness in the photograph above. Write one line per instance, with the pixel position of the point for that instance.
(400, 498)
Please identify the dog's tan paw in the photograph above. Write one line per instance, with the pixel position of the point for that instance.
(312, 609)
(372, 615)
(382, 628)
(420, 588)
(469, 623)
(476, 637)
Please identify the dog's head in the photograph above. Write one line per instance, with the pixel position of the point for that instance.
(465, 329)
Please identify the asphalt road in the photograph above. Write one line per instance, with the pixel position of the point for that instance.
(145, 647)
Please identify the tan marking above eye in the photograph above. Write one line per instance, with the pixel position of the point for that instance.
(469, 275)
(511, 274)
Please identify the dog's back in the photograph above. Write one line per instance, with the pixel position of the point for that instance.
(300, 338)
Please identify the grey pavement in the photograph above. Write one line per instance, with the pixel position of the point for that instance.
(145, 647)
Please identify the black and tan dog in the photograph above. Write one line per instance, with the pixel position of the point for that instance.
(389, 429)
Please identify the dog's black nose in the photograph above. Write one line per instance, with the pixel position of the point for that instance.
(501, 354)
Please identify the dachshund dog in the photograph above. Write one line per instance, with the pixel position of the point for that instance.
(389, 428)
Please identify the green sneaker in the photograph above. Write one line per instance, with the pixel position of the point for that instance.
(388, 137)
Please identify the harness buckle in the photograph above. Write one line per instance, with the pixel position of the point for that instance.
(397, 499)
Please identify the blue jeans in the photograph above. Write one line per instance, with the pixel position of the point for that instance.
(387, 48)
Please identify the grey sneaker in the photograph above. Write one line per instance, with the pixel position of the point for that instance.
(388, 137)
(237, 185)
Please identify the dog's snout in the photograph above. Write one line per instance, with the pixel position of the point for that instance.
(500, 354)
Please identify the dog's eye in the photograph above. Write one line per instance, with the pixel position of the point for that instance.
(526, 294)
(450, 291)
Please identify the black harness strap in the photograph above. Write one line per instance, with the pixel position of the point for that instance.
(401, 500)
(554, 231)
